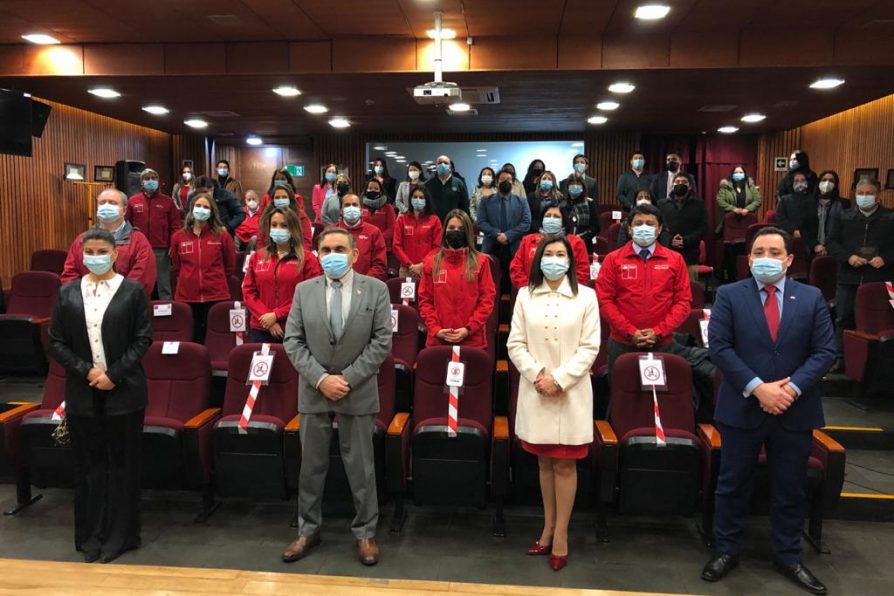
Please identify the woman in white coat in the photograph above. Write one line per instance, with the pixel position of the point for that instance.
(553, 344)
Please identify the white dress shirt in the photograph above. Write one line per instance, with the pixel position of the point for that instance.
(97, 296)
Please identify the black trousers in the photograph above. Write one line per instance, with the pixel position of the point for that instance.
(200, 319)
(107, 467)
(845, 297)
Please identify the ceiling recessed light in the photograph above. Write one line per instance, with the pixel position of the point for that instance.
(608, 105)
(826, 83)
(287, 91)
(621, 87)
(380, 147)
(445, 34)
(254, 141)
(399, 157)
(728, 129)
(195, 123)
(104, 92)
(339, 122)
(752, 118)
(597, 120)
(40, 39)
(652, 12)
(156, 110)
(390, 153)
(316, 108)
(460, 107)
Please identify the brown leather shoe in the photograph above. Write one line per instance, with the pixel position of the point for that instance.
(300, 547)
(368, 551)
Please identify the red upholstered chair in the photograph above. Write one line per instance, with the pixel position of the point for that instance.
(252, 464)
(603, 208)
(394, 286)
(869, 349)
(12, 453)
(691, 325)
(450, 470)
(611, 236)
(628, 460)
(234, 282)
(602, 246)
(824, 275)
(177, 326)
(606, 220)
(698, 294)
(702, 270)
(23, 329)
(404, 347)
(178, 422)
(799, 269)
(735, 227)
(219, 340)
(52, 260)
(770, 217)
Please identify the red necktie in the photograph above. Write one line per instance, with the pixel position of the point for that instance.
(771, 311)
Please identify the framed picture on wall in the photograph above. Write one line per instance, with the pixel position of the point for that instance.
(889, 180)
(103, 173)
(75, 171)
(861, 173)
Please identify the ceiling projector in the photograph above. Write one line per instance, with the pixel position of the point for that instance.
(434, 93)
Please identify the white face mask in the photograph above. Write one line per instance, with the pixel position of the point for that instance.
(253, 205)
(826, 186)
(487, 180)
(413, 174)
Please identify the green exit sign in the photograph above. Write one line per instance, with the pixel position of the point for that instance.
(295, 170)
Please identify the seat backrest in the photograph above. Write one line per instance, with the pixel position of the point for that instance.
(54, 388)
(799, 268)
(234, 283)
(405, 343)
(33, 293)
(691, 325)
(279, 398)
(751, 231)
(178, 326)
(52, 260)
(430, 397)
(872, 310)
(605, 218)
(387, 391)
(612, 234)
(824, 275)
(770, 217)
(735, 227)
(702, 252)
(394, 285)
(631, 406)
(602, 246)
(218, 338)
(698, 294)
(179, 384)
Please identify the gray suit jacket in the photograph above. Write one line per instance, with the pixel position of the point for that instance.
(362, 348)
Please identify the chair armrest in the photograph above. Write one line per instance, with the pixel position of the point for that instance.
(833, 456)
(397, 453)
(197, 435)
(202, 418)
(40, 320)
(291, 444)
(17, 412)
(604, 432)
(710, 435)
(398, 424)
(500, 457)
(861, 334)
(605, 465)
(294, 424)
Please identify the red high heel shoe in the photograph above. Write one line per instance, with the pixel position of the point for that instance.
(557, 562)
(539, 549)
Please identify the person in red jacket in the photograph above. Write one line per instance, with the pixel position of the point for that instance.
(373, 260)
(643, 289)
(249, 227)
(378, 211)
(135, 259)
(273, 272)
(325, 188)
(457, 292)
(416, 233)
(156, 215)
(203, 257)
(552, 225)
(283, 197)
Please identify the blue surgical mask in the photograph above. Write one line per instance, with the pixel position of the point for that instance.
(767, 270)
(281, 203)
(201, 213)
(644, 235)
(575, 190)
(108, 212)
(378, 170)
(418, 204)
(98, 264)
(638, 164)
(150, 185)
(865, 202)
(223, 172)
(280, 183)
(738, 176)
(331, 176)
(546, 185)
(552, 225)
(443, 169)
(335, 265)
(351, 214)
(279, 235)
(554, 268)
(580, 168)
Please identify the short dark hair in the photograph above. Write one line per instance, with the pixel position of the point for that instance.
(646, 209)
(421, 188)
(773, 230)
(535, 277)
(98, 234)
(580, 155)
(220, 161)
(205, 182)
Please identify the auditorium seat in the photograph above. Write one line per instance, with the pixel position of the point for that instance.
(450, 471)
(178, 422)
(24, 326)
(628, 461)
(252, 464)
(770, 217)
(52, 260)
(602, 246)
(698, 294)
(404, 347)
(703, 270)
(606, 219)
(176, 326)
(824, 275)
(394, 288)
(735, 227)
(234, 282)
(611, 235)
(12, 454)
(219, 340)
(869, 349)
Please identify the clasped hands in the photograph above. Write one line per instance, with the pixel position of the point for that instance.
(644, 338)
(99, 380)
(334, 387)
(453, 336)
(858, 261)
(546, 385)
(775, 397)
(268, 321)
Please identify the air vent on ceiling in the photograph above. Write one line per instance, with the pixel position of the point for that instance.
(472, 112)
(224, 19)
(481, 95)
(717, 108)
(220, 114)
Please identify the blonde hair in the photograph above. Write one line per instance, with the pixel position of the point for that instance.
(213, 222)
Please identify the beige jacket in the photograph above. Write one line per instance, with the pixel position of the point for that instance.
(557, 332)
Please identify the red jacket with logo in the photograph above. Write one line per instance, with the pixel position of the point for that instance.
(383, 219)
(415, 238)
(448, 300)
(157, 217)
(373, 260)
(249, 226)
(634, 295)
(135, 260)
(520, 267)
(269, 284)
(306, 228)
(203, 265)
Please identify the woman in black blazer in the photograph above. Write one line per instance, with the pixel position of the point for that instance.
(99, 333)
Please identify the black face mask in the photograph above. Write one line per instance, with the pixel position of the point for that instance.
(505, 187)
(372, 195)
(536, 172)
(672, 166)
(681, 189)
(455, 239)
(343, 189)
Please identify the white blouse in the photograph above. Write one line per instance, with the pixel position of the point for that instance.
(97, 296)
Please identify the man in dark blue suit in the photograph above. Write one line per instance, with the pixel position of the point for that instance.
(773, 339)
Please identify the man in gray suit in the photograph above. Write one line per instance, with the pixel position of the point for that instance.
(337, 335)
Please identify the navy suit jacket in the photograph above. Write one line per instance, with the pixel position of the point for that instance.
(518, 217)
(740, 346)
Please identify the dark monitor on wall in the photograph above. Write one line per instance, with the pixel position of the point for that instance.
(15, 123)
(40, 113)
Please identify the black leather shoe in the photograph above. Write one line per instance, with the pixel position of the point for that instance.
(801, 576)
(719, 566)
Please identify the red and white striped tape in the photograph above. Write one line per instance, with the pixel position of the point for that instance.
(659, 429)
(706, 314)
(890, 287)
(252, 396)
(240, 336)
(59, 412)
(453, 406)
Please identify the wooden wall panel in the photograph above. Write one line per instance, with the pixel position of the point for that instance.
(40, 210)
(770, 146)
(189, 147)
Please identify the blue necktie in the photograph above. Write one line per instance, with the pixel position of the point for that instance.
(644, 253)
(503, 224)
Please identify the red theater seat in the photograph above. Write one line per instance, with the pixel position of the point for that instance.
(176, 326)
